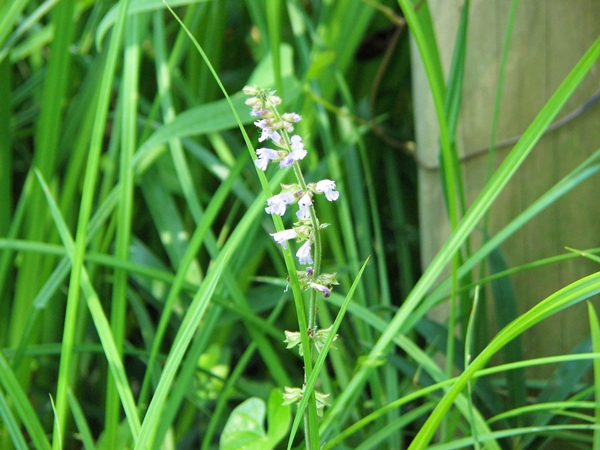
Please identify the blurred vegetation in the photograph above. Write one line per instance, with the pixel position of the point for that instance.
(142, 299)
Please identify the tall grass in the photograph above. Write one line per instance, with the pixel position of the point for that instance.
(143, 302)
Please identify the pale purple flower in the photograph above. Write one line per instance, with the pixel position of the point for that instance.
(278, 203)
(303, 254)
(296, 154)
(292, 117)
(304, 207)
(264, 156)
(259, 112)
(322, 289)
(267, 131)
(287, 161)
(297, 147)
(328, 188)
(281, 237)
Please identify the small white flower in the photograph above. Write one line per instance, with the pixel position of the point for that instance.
(297, 147)
(328, 188)
(281, 237)
(267, 131)
(292, 117)
(259, 112)
(303, 254)
(287, 161)
(296, 154)
(273, 99)
(250, 90)
(304, 204)
(264, 156)
(322, 289)
(253, 102)
(278, 203)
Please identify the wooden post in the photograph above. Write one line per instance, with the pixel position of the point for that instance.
(549, 37)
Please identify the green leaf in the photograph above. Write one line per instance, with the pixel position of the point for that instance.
(217, 116)
(278, 416)
(244, 429)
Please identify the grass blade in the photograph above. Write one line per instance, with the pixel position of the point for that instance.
(595, 331)
(483, 202)
(100, 321)
(23, 407)
(312, 379)
(570, 295)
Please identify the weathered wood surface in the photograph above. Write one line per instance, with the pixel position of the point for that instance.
(549, 37)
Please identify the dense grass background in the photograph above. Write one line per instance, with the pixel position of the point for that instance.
(142, 297)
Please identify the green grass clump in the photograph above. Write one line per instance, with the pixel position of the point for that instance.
(143, 302)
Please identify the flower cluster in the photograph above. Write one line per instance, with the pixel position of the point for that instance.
(294, 394)
(317, 336)
(277, 129)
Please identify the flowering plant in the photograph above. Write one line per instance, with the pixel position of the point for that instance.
(289, 150)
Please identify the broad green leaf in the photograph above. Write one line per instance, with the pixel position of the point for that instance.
(278, 417)
(217, 116)
(245, 427)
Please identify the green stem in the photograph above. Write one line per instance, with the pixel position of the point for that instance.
(311, 429)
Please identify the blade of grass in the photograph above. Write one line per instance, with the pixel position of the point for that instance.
(34, 268)
(12, 426)
(6, 166)
(184, 335)
(228, 388)
(22, 405)
(213, 39)
(595, 332)
(287, 254)
(6, 191)
(421, 27)
(312, 379)
(573, 179)
(452, 104)
(82, 426)
(124, 219)
(526, 431)
(9, 15)
(471, 218)
(571, 294)
(112, 16)
(89, 187)
(469, 347)
(274, 38)
(505, 312)
(424, 361)
(100, 321)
